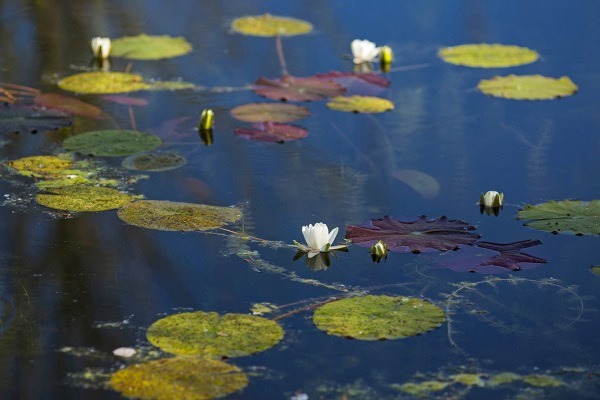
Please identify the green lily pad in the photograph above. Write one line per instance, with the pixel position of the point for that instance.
(273, 112)
(100, 82)
(146, 47)
(378, 317)
(360, 104)
(488, 55)
(213, 335)
(112, 143)
(270, 25)
(40, 166)
(595, 269)
(503, 378)
(80, 198)
(154, 161)
(540, 380)
(468, 379)
(176, 216)
(179, 378)
(579, 217)
(527, 87)
(423, 389)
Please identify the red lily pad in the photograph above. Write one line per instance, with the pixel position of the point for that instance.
(274, 112)
(272, 132)
(290, 88)
(126, 100)
(67, 104)
(15, 118)
(415, 236)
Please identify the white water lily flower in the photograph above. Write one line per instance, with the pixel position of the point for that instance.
(364, 51)
(124, 352)
(100, 47)
(491, 199)
(318, 238)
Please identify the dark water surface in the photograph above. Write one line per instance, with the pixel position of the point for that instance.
(94, 283)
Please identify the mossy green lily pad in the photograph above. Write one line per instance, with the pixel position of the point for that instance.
(179, 378)
(212, 335)
(579, 217)
(177, 216)
(541, 380)
(41, 166)
(147, 47)
(360, 104)
(154, 161)
(270, 25)
(423, 389)
(378, 317)
(488, 55)
(528, 87)
(112, 143)
(101, 82)
(81, 198)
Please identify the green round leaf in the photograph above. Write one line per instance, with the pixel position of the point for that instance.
(270, 25)
(360, 104)
(145, 47)
(175, 216)
(40, 166)
(595, 269)
(213, 335)
(100, 82)
(540, 380)
(80, 198)
(527, 87)
(488, 55)
(154, 161)
(179, 378)
(273, 112)
(112, 143)
(378, 317)
(574, 216)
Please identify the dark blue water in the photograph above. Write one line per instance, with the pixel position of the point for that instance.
(63, 280)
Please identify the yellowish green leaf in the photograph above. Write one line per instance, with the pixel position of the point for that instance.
(527, 87)
(176, 216)
(100, 82)
(468, 379)
(270, 25)
(179, 378)
(424, 184)
(81, 198)
(360, 104)
(40, 166)
(154, 161)
(503, 378)
(541, 380)
(488, 55)
(212, 335)
(579, 217)
(423, 389)
(146, 47)
(112, 142)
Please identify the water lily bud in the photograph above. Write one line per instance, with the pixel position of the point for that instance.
(386, 57)
(379, 251)
(491, 199)
(100, 47)
(206, 120)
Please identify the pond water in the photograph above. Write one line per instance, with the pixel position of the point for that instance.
(75, 287)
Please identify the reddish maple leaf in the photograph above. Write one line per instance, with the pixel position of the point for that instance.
(422, 234)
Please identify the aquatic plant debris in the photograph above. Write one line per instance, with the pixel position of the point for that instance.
(83, 198)
(290, 88)
(416, 236)
(488, 55)
(273, 112)
(150, 47)
(566, 216)
(112, 142)
(272, 132)
(17, 118)
(209, 334)
(177, 216)
(268, 25)
(360, 104)
(378, 317)
(528, 87)
(179, 378)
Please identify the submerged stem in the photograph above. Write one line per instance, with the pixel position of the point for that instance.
(279, 46)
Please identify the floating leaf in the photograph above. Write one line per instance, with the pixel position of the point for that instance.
(15, 118)
(213, 335)
(274, 112)
(171, 85)
(579, 217)
(99, 82)
(112, 143)
(126, 100)
(362, 83)
(423, 389)
(179, 378)
(527, 87)
(595, 269)
(290, 88)
(378, 317)
(175, 216)
(80, 198)
(40, 166)
(468, 379)
(503, 378)
(68, 104)
(272, 132)
(415, 236)
(540, 380)
(270, 25)
(488, 55)
(154, 161)
(146, 47)
(360, 104)
(426, 185)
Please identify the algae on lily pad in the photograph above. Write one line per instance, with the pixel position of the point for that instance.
(154, 161)
(360, 104)
(81, 198)
(268, 25)
(102, 82)
(425, 388)
(528, 87)
(179, 378)
(147, 47)
(177, 216)
(378, 317)
(488, 55)
(40, 166)
(212, 335)
(579, 217)
(540, 380)
(112, 142)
